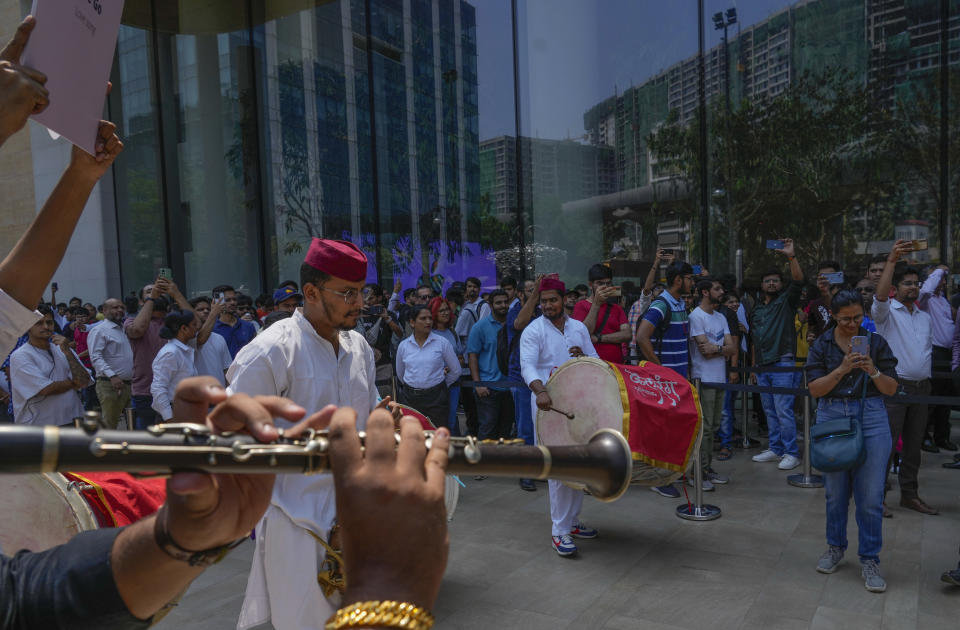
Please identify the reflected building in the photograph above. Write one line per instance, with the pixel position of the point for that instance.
(252, 127)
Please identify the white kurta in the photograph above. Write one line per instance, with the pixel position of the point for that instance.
(290, 359)
(32, 369)
(543, 349)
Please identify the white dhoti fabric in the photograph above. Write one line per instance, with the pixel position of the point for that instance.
(565, 502)
(289, 578)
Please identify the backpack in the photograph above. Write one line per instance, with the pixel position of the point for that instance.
(505, 349)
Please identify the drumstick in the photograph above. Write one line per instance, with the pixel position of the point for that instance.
(564, 413)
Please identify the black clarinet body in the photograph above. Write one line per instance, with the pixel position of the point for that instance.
(603, 464)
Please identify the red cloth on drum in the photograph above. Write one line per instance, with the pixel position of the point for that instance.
(424, 421)
(119, 499)
(662, 414)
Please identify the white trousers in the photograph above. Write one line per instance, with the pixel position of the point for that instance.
(282, 585)
(565, 502)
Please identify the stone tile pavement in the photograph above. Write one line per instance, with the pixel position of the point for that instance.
(751, 569)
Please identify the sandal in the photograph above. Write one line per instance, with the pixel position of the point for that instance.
(724, 454)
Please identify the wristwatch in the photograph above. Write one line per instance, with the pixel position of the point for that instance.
(876, 374)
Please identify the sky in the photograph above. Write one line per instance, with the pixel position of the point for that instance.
(575, 53)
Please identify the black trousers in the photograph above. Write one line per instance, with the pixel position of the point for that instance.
(938, 420)
(433, 402)
(469, 401)
(910, 422)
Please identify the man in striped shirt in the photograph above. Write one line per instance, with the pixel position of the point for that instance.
(663, 333)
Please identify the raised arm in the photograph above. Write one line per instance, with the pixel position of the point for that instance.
(529, 308)
(78, 374)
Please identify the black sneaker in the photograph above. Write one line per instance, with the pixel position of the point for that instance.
(528, 485)
(951, 577)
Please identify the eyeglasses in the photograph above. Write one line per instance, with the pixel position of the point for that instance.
(349, 296)
(846, 321)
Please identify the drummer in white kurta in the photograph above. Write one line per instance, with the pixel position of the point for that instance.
(548, 342)
(315, 359)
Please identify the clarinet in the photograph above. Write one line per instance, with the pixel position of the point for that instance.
(603, 464)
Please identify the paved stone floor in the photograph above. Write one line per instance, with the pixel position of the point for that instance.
(649, 570)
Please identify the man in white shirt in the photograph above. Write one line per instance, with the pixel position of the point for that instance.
(175, 361)
(710, 345)
(909, 332)
(934, 301)
(427, 365)
(315, 359)
(45, 374)
(213, 356)
(112, 360)
(547, 343)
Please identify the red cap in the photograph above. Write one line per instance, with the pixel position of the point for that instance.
(552, 284)
(341, 259)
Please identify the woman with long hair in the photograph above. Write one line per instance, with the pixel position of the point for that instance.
(443, 323)
(837, 376)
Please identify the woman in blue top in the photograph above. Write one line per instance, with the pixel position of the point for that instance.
(836, 377)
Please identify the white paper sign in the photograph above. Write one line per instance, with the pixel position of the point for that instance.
(73, 44)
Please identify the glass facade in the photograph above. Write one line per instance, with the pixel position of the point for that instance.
(451, 138)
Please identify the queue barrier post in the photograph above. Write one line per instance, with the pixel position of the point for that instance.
(806, 479)
(746, 443)
(128, 417)
(698, 510)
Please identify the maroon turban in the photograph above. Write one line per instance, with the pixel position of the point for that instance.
(340, 259)
(552, 284)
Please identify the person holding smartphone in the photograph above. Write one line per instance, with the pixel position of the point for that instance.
(838, 362)
(603, 316)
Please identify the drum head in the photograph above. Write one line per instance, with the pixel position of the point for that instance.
(40, 511)
(587, 388)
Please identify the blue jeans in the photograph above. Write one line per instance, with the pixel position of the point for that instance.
(725, 434)
(865, 482)
(143, 413)
(452, 423)
(522, 411)
(779, 410)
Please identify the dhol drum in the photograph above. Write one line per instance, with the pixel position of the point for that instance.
(597, 397)
(451, 493)
(48, 509)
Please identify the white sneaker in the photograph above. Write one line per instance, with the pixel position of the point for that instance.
(788, 462)
(766, 456)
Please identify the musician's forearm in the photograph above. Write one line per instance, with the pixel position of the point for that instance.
(146, 577)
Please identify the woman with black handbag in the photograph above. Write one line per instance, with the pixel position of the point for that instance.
(851, 440)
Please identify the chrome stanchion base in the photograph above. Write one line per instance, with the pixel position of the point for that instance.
(805, 481)
(703, 512)
(746, 443)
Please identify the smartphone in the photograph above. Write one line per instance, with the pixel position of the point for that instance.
(667, 252)
(858, 344)
(775, 244)
(219, 297)
(834, 278)
(54, 287)
(166, 273)
(697, 270)
(919, 244)
(617, 291)
(376, 309)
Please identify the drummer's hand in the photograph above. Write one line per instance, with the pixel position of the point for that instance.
(576, 351)
(390, 508)
(544, 401)
(207, 511)
(394, 408)
(482, 392)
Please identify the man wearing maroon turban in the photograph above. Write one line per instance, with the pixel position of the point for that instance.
(315, 359)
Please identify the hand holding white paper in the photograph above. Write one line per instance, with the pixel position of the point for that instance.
(73, 45)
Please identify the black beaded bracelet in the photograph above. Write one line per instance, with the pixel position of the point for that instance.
(202, 559)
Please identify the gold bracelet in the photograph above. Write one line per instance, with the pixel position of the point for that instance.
(381, 614)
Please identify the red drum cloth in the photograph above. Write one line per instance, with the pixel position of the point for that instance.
(661, 419)
(424, 421)
(118, 499)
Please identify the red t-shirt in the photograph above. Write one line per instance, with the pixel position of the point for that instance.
(612, 352)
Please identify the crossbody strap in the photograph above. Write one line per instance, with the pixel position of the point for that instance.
(863, 392)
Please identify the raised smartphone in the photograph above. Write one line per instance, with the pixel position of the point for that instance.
(919, 244)
(858, 344)
(166, 273)
(775, 244)
(834, 278)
